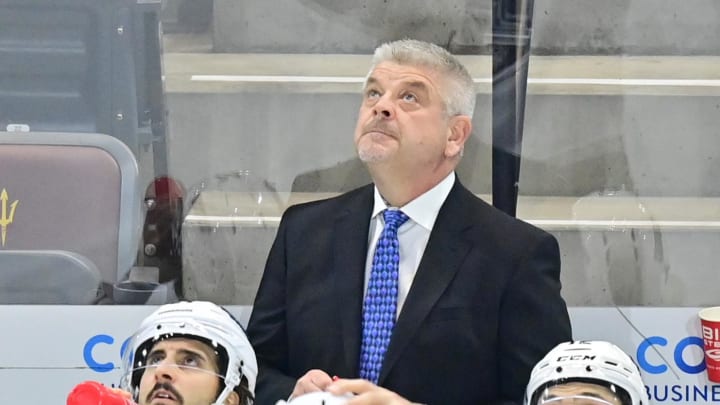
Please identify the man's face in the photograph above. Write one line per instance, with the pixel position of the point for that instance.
(577, 393)
(402, 120)
(180, 372)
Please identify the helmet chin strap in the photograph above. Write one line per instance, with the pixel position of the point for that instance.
(232, 380)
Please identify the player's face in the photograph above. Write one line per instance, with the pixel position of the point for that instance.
(180, 371)
(577, 393)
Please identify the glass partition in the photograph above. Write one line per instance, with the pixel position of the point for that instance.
(258, 103)
(620, 158)
(262, 118)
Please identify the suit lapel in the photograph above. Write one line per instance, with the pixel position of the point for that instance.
(445, 251)
(350, 250)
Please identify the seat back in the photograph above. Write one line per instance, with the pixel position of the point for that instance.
(76, 193)
(47, 277)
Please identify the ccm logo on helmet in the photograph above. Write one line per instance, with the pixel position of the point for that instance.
(89, 352)
(576, 357)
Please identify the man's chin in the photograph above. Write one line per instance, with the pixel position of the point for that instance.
(373, 155)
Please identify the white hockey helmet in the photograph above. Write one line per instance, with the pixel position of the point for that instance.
(200, 320)
(317, 398)
(595, 362)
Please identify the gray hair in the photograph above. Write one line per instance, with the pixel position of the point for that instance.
(459, 96)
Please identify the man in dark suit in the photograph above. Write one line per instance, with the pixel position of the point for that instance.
(477, 293)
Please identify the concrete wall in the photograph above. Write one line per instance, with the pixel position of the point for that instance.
(641, 27)
(574, 145)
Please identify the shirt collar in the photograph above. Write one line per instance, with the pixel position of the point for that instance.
(424, 209)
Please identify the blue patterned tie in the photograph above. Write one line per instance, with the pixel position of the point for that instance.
(381, 298)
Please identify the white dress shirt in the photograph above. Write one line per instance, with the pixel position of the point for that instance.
(413, 235)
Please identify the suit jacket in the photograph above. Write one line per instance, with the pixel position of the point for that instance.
(483, 308)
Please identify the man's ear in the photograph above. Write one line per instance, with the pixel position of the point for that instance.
(233, 399)
(459, 130)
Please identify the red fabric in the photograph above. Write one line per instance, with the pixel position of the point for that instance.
(94, 393)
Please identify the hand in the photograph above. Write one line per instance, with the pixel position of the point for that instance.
(313, 380)
(366, 392)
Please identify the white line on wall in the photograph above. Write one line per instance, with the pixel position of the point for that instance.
(550, 81)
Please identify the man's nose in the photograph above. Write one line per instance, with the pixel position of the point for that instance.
(165, 371)
(384, 108)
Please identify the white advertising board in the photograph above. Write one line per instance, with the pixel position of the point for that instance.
(665, 343)
(46, 350)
